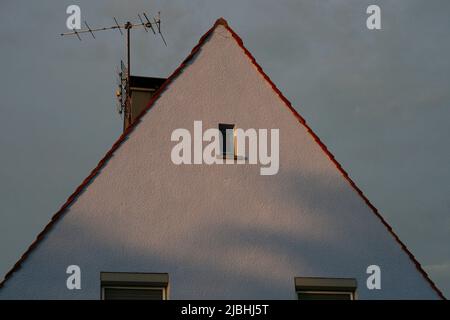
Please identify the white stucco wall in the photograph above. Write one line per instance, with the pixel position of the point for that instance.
(220, 231)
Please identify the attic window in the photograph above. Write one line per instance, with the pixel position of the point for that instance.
(134, 286)
(228, 139)
(325, 288)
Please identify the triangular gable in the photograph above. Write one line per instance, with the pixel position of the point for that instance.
(157, 95)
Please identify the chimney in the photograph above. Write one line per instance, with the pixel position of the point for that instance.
(142, 90)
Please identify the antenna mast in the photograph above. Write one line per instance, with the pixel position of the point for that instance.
(124, 86)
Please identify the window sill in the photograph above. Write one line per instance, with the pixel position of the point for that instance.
(231, 156)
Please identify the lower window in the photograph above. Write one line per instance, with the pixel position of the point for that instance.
(325, 288)
(134, 286)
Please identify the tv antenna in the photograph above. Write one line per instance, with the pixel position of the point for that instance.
(123, 92)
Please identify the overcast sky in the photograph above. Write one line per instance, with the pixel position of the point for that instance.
(380, 100)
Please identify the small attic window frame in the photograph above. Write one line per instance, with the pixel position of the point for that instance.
(224, 128)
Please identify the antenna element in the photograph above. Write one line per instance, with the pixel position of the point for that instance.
(123, 93)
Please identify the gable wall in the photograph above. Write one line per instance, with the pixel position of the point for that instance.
(220, 231)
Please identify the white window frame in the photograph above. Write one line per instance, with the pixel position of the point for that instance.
(223, 138)
(325, 292)
(135, 281)
(324, 286)
(163, 289)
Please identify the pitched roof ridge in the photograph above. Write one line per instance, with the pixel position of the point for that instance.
(337, 164)
(107, 156)
(122, 138)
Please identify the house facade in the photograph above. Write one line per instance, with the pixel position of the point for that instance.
(140, 221)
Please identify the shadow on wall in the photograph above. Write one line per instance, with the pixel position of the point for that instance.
(305, 236)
